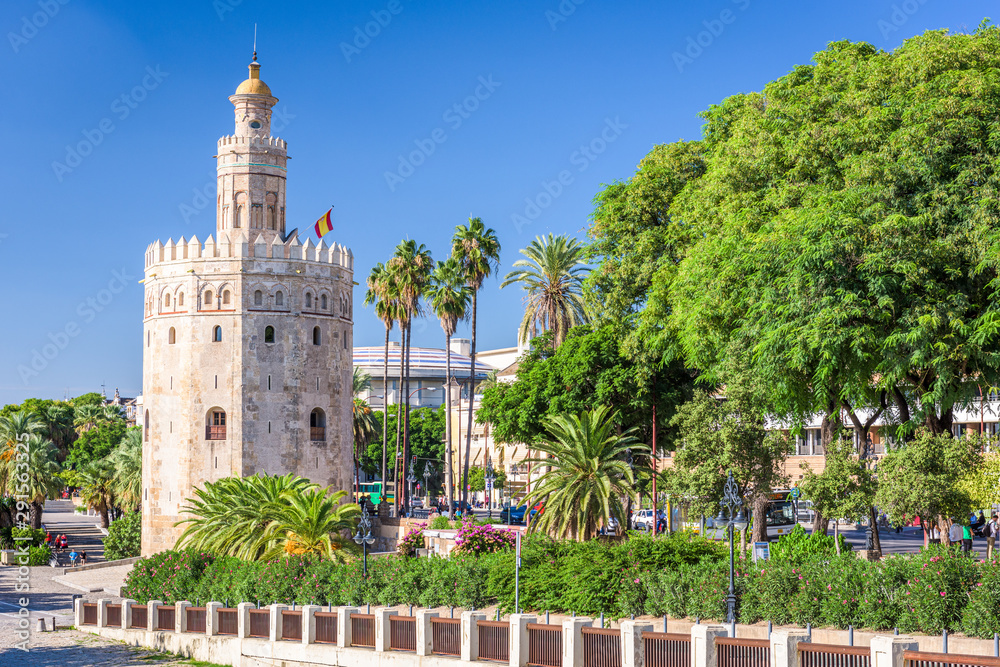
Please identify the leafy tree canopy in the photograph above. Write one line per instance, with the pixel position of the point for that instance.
(426, 440)
(586, 371)
(96, 443)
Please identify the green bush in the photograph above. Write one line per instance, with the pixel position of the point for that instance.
(124, 538)
(36, 537)
(981, 617)
(440, 522)
(39, 555)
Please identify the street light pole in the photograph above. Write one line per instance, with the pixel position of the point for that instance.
(364, 536)
(490, 477)
(410, 478)
(427, 488)
(733, 506)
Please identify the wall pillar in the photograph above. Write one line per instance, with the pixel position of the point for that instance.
(243, 619)
(633, 650)
(703, 652)
(78, 612)
(102, 613)
(212, 618)
(309, 623)
(425, 635)
(151, 613)
(519, 639)
(126, 613)
(275, 619)
(180, 616)
(470, 634)
(572, 640)
(887, 651)
(382, 635)
(344, 625)
(785, 647)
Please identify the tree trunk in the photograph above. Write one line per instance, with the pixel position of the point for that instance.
(37, 508)
(398, 493)
(385, 416)
(876, 540)
(406, 418)
(472, 395)
(759, 533)
(105, 519)
(836, 535)
(448, 474)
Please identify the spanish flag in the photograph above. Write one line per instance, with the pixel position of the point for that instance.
(324, 225)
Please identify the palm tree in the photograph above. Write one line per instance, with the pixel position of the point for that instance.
(311, 523)
(449, 296)
(58, 419)
(587, 474)
(126, 460)
(360, 380)
(380, 292)
(477, 249)
(552, 275)
(262, 516)
(15, 428)
(410, 267)
(88, 416)
(97, 488)
(32, 472)
(364, 430)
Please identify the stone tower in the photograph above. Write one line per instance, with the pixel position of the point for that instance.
(246, 338)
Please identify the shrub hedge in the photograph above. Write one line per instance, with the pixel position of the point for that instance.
(124, 538)
(679, 575)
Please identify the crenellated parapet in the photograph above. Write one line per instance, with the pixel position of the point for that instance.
(233, 140)
(289, 250)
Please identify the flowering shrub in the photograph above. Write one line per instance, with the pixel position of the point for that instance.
(981, 617)
(482, 539)
(413, 540)
(168, 576)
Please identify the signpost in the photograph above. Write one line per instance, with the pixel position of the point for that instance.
(517, 573)
(795, 499)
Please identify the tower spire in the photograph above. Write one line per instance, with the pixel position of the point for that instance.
(254, 42)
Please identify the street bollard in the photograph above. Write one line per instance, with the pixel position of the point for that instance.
(850, 635)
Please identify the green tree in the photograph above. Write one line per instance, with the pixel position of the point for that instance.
(96, 443)
(586, 474)
(586, 371)
(923, 478)
(427, 429)
(449, 297)
(410, 268)
(97, 488)
(477, 478)
(126, 461)
(723, 433)
(124, 538)
(32, 471)
(845, 488)
(381, 292)
(14, 427)
(264, 516)
(477, 249)
(982, 482)
(552, 277)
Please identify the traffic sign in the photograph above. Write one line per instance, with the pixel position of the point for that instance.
(795, 493)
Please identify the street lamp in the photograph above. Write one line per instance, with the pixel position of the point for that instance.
(411, 478)
(867, 459)
(490, 477)
(733, 505)
(364, 536)
(427, 488)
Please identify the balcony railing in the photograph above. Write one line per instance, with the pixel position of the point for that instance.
(215, 432)
(317, 433)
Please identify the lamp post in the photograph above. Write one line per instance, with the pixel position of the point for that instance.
(364, 536)
(867, 459)
(427, 488)
(732, 504)
(410, 478)
(490, 477)
(631, 466)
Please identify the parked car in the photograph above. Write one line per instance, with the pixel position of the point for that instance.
(537, 509)
(643, 519)
(513, 514)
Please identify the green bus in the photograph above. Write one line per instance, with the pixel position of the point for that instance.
(374, 492)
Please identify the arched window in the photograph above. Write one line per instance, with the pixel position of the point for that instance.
(270, 217)
(217, 334)
(166, 300)
(145, 427)
(215, 424)
(171, 336)
(309, 300)
(317, 336)
(322, 302)
(207, 303)
(317, 425)
(269, 334)
(258, 298)
(180, 299)
(279, 299)
(225, 298)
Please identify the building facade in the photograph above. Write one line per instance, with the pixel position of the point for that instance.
(246, 338)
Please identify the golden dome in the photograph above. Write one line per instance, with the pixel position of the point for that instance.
(253, 85)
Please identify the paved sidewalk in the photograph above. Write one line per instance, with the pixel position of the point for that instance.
(69, 648)
(81, 531)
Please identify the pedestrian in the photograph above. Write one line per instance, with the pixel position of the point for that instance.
(992, 532)
(83, 558)
(48, 539)
(967, 539)
(955, 533)
(72, 557)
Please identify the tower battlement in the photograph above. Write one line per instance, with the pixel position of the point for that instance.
(292, 249)
(234, 140)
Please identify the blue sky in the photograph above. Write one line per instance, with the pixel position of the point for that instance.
(144, 87)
